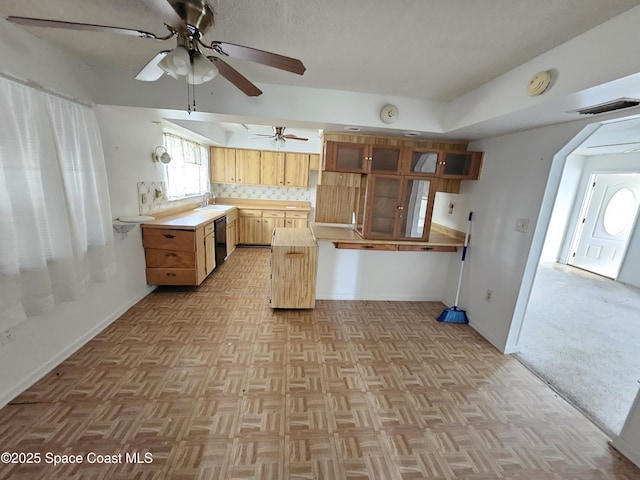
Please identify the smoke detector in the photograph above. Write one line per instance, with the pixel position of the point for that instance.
(539, 83)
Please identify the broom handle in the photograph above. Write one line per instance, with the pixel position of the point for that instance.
(464, 254)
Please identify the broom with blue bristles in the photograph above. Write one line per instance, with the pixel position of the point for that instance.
(454, 314)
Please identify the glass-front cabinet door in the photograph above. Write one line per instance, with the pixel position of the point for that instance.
(384, 206)
(422, 162)
(461, 165)
(416, 208)
(345, 157)
(385, 159)
(361, 205)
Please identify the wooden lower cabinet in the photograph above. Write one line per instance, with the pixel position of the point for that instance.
(178, 257)
(255, 227)
(294, 265)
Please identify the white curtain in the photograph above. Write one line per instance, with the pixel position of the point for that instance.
(188, 172)
(56, 232)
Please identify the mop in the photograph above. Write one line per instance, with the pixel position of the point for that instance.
(454, 314)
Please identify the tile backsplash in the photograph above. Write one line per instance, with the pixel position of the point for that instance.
(258, 192)
(152, 197)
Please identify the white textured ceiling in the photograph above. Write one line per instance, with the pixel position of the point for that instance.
(417, 49)
(423, 49)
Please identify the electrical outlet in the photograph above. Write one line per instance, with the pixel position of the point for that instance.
(451, 208)
(488, 295)
(7, 336)
(522, 224)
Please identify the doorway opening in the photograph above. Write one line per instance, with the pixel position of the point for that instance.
(581, 318)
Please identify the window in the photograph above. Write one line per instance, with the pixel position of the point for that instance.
(188, 172)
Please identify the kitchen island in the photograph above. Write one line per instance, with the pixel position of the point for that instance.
(294, 263)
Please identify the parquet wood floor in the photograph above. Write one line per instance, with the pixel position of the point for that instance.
(215, 385)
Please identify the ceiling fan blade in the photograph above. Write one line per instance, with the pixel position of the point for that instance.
(151, 71)
(235, 77)
(38, 22)
(259, 56)
(264, 135)
(293, 137)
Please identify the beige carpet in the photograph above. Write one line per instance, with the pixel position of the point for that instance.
(582, 335)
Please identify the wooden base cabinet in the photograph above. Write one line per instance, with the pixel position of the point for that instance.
(294, 265)
(255, 227)
(178, 257)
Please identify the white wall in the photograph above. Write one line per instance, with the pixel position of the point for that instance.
(563, 220)
(363, 275)
(628, 442)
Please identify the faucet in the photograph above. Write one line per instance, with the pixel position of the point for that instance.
(205, 199)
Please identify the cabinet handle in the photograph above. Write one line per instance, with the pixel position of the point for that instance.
(168, 235)
(367, 246)
(171, 274)
(426, 248)
(400, 207)
(170, 255)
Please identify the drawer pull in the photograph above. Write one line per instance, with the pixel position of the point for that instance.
(367, 246)
(171, 274)
(168, 235)
(426, 248)
(169, 254)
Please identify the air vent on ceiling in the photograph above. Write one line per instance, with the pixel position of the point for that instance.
(610, 106)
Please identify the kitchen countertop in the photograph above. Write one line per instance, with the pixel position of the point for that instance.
(341, 233)
(191, 219)
(188, 220)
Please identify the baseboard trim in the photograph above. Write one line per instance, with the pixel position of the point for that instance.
(61, 356)
(626, 449)
(493, 341)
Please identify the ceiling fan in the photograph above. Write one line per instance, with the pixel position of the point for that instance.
(279, 138)
(187, 21)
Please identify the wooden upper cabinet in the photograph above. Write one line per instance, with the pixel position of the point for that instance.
(362, 158)
(384, 159)
(248, 167)
(345, 157)
(296, 170)
(460, 165)
(223, 165)
(314, 161)
(272, 168)
(420, 161)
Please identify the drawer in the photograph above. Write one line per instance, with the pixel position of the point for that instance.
(208, 229)
(171, 276)
(427, 248)
(367, 246)
(249, 213)
(303, 215)
(272, 214)
(169, 239)
(156, 258)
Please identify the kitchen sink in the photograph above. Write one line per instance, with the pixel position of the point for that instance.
(217, 208)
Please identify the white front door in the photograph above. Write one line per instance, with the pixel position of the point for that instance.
(607, 222)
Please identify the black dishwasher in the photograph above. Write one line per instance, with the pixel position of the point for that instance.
(220, 232)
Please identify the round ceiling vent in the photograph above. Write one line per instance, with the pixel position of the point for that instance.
(538, 83)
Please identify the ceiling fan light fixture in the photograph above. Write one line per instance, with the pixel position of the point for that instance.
(176, 62)
(202, 69)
